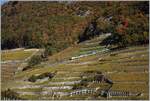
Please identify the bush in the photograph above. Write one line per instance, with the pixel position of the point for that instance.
(9, 94)
(50, 75)
(26, 68)
(81, 85)
(32, 78)
(34, 60)
(44, 56)
(49, 50)
(77, 86)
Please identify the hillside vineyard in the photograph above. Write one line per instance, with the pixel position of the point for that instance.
(75, 50)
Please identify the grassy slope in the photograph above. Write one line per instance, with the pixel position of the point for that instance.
(127, 66)
(16, 55)
(8, 69)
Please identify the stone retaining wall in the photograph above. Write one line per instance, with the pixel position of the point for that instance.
(119, 93)
(57, 88)
(83, 91)
(65, 83)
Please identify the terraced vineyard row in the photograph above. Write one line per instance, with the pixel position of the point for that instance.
(121, 74)
(11, 61)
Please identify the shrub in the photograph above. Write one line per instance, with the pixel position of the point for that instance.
(49, 50)
(26, 68)
(34, 60)
(32, 78)
(9, 94)
(50, 75)
(77, 86)
(81, 85)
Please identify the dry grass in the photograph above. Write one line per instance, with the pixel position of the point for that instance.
(128, 77)
(132, 87)
(16, 55)
(128, 70)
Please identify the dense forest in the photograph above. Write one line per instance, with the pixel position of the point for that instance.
(58, 25)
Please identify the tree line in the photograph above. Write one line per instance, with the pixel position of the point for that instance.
(58, 25)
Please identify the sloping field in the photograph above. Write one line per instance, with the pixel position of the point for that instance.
(11, 60)
(15, 55)
(127, 69)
